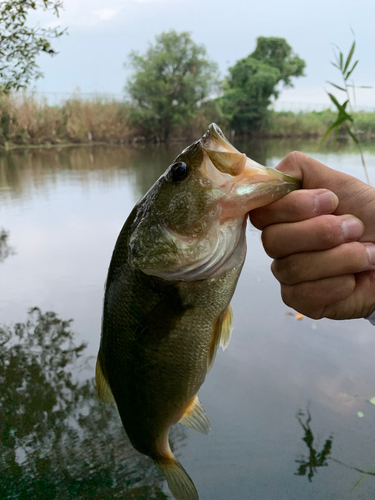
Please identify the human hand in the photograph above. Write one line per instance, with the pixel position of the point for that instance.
(323, 241)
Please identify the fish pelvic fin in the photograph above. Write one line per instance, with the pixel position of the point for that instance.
(104, 391)
(222, 333)
(226, 327)
(179, 482)
(195, 417)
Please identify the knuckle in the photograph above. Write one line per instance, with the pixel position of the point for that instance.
(288, 270)
(268, 241)
(295, 157)
(298, 297)
(330, 234)
(355, 255)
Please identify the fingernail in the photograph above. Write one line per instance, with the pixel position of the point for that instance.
(370, 249)
(352, 228)
(325, 203)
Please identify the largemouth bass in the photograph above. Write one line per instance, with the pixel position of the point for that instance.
(167, 309)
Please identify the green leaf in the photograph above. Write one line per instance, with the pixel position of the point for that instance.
(341, 59)
(372, 401)
(340, 120)
(337, 86)
(360, 414)
(349, 58)
(351, 71)
(334, 100)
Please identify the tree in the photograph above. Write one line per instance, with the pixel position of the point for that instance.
(169, 83)
(253, 81)
(20, 44)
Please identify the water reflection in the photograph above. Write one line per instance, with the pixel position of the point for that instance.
(56, 440)
(5, 249)
(23, 171)
(308, 466)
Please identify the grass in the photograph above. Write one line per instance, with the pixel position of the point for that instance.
(25, 119)
(28, 120)
(315, 124)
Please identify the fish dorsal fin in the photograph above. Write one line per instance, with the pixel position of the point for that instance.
(104, 391)
(221, 336)
(195, 417)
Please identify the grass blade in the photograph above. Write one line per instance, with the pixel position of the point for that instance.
(337, 86)
(334, 100)
(340, 120)
(351, 71)
(349, 58)
(341, 59)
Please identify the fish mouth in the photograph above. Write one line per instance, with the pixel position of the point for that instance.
(245, 183)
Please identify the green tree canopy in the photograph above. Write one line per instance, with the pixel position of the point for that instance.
(253, 81)
(169, 82)
(20, 44)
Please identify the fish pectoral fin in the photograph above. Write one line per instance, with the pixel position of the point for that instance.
(195, 417)
(104, 391)
(179, 482)
(222, 334)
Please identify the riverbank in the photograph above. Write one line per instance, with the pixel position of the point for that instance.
(27, 121)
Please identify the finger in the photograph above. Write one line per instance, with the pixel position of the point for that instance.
(314, 174)
(314, 298)
(296, 206)
(359, 304)
(348, 258)
(320, 233)
(355, 196)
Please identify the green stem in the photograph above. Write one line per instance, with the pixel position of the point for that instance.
(358, 143)
(364, 164)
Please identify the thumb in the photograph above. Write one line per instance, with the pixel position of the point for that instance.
(355, 197)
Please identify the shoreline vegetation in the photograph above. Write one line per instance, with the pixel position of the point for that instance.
(26, 120)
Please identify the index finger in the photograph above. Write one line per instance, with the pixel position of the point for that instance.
(295, 207)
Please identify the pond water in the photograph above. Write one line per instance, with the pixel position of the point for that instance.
(283, 400)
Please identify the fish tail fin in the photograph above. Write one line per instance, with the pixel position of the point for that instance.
(179, 482)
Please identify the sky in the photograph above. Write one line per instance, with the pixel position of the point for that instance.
(102, 33)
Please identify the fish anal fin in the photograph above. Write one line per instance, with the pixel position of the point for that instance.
(195, 417)
(221, 335)
(104, 391)
(179, 482)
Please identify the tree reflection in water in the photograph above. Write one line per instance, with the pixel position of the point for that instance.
(56, 440)
(316, 459)
(5, 249)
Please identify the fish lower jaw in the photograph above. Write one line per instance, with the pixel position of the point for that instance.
(225, 251)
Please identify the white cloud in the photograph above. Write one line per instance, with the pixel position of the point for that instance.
(105, 14)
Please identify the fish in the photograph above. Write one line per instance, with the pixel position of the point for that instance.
(172, 275)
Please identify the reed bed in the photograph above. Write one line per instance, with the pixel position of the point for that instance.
(26, 119)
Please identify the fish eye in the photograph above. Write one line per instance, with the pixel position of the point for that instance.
(179, 171)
